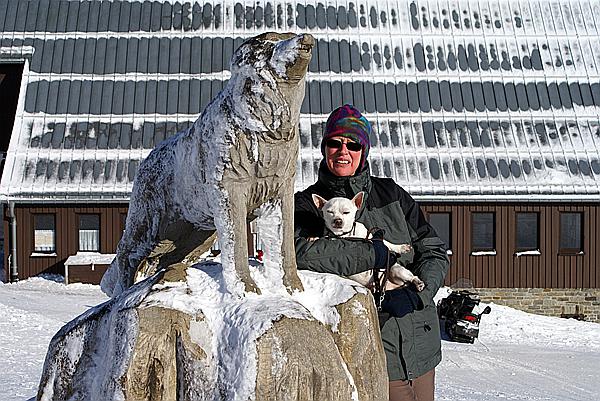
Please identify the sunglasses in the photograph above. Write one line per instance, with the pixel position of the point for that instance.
(337, 144)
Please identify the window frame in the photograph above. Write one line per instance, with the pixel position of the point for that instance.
(35, 251)
(571, 251)
(79, 215)
(478, 250)
(519, 249)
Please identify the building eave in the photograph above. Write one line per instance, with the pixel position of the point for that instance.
(65, 199)
(124, 198)
(595, 198)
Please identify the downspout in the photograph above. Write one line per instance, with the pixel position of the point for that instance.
(14, 272)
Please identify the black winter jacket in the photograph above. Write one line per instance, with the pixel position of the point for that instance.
(412, 343)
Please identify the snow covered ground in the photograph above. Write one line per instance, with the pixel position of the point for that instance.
(519, 356)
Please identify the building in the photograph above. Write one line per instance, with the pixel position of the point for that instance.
(488, 112)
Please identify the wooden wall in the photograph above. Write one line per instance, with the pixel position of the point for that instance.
(86, 274)
(505, 270)
(67, 238)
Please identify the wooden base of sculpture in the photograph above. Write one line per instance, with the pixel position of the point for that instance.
(143, 345)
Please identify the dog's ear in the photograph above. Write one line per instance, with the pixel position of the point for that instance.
(358, 199)
(319, 201)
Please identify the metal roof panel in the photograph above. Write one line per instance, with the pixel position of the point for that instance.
(153, 57)
(174, 56)
(3, 13)
(72, 16)
(19, 13)
(161, 99)
(172, 96)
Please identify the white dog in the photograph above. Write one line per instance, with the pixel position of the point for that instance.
(339, 215)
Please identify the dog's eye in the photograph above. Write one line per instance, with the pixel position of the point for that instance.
(345, 212)
(330, 211)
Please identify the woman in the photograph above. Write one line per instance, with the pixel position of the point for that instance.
(410, 329)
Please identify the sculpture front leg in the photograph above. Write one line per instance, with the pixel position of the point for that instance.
(288, 253)
(237, 216)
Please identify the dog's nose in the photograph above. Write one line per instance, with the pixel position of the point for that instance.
(338, 222)
(307, 40)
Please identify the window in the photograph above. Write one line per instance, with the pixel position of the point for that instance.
(89, 232)
(571, 233)
(527, 235)
(483, 232)
(44, 235)
(441, 223)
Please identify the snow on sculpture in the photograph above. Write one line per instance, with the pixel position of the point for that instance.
(240, 154)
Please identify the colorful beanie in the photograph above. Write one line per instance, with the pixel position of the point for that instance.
(347, 121)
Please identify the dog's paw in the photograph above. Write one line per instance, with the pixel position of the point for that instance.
(405, 248)
(400, 249)
(418, 283)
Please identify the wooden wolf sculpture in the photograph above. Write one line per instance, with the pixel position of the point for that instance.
(241, 153)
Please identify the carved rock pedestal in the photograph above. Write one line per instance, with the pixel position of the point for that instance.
(191, 340)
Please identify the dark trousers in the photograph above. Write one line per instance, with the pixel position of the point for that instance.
(420, 389)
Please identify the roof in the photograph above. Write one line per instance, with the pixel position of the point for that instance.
(469, 99)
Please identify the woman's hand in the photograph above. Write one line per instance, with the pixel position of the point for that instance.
(401, 301)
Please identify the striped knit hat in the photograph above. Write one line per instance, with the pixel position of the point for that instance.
(347, 121)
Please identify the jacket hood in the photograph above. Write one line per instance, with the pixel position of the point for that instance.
(344, 186)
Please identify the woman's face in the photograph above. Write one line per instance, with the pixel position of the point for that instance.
(341, 161)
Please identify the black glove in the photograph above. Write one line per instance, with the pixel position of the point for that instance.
(383, 257)
(401, 301)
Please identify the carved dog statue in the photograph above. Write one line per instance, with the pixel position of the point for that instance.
(241, 153)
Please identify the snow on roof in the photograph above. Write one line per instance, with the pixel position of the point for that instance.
(469, 99)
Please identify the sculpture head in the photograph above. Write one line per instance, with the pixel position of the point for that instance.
(282, 55)
(269, 71)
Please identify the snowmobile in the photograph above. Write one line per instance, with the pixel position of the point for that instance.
(458, 322)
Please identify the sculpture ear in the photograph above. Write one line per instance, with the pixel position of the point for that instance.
(358, 199)
(319, 201)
